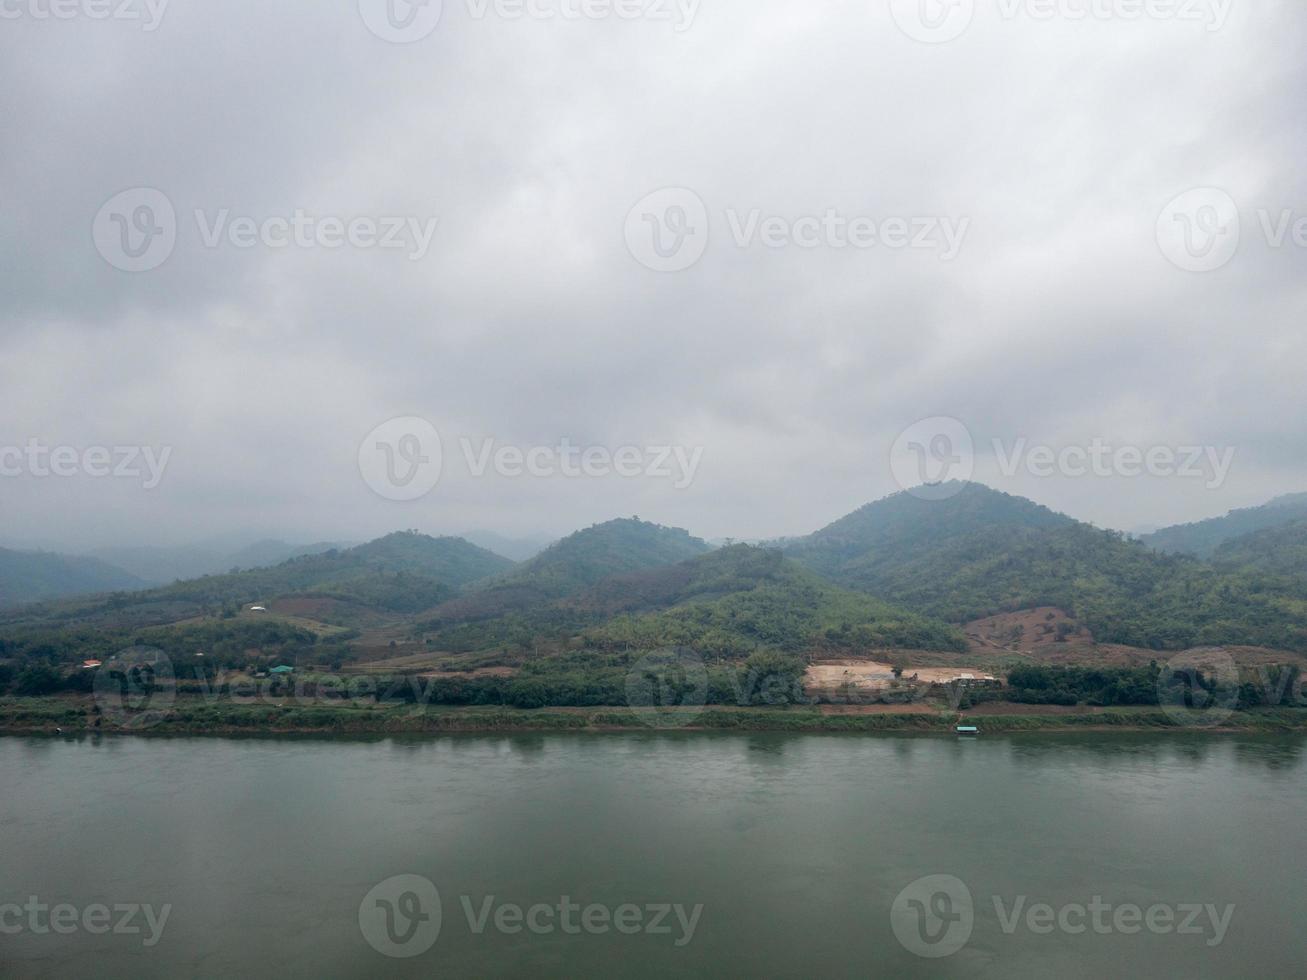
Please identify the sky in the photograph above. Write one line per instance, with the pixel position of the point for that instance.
(323, 270)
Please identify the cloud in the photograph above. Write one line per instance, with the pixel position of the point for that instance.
(528, 321)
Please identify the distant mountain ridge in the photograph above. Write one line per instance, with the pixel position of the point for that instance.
(402, 572)
(980, 552)
(902, 572)
(575, 563)
(164, 565)
(1203, 538)
(731, 601)
(33, 576)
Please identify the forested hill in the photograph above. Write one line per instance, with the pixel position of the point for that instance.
(1205, 537)
(858, 549)
(574, 564)
(1278, 551)
(741, 599)
(729, 602)
(402, 572)
(30, 576)
(981, 552)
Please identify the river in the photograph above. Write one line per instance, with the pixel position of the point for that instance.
(1067, 855)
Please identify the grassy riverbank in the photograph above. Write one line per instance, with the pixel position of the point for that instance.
(49, 715)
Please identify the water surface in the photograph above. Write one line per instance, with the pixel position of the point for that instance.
(796, 848)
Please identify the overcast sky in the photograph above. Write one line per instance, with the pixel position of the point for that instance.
(1038, 296)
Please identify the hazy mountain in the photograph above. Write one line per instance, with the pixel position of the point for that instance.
(982, 552)
(739, 598)
(1205, 537)
(573, 564)
(1280, 551)
(162, 565)
(518, 549)
(724, 603)
(34, 576)
(860, 548)
(402, 572)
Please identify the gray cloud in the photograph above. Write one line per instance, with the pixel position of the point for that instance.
(528, 321)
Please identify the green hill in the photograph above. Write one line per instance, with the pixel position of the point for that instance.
(28, 576)
(742, 599)
(402, 572)
(1275, 551)
(573, 565)
(162, 565)
(1203, 538)
(982, 552)
(858, 550)
(728, 602)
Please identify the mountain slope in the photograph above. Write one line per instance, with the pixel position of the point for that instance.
(740, 599)
(36, 576)
(1277, 551)
(1203, 538)
(403, 572)
(162, 566)
(574, 564)
(726, 603)
(981, 552)
(858, 549)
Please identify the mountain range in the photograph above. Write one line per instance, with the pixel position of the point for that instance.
(903, 572)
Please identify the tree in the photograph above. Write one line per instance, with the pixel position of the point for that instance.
(38, 679)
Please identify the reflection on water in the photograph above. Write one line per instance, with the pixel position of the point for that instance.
(796, 846)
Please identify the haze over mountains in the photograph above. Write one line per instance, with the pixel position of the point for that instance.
(1205, 537)
(902, 572)
(30, 576)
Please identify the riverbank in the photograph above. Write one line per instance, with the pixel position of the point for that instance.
(25, 716)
